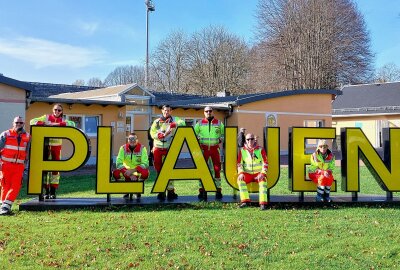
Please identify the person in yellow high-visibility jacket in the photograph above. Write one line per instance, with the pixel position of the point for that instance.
(210, 132)
(132, 162)
(162, 131)
(51, 183)
(320, 171)
(252, 165)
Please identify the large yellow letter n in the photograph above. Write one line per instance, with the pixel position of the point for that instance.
(169, 172)
(356, 146)
(38, 163)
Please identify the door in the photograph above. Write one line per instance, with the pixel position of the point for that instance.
(129, 123)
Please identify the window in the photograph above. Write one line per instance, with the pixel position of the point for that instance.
(87, 123)
(314, 123)
(311, 144)
(189, 122)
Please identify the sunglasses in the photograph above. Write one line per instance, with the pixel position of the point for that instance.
(21, 123)
(132, 139)
(250, 139)
(57, 110)
(208, 111)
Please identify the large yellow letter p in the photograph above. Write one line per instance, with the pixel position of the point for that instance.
(38, 163)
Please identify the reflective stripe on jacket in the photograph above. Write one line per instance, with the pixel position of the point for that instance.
(162, 126)
(209, 133)
(252, 161)
(131, 159)
(15, 147)
(319, 162)
(48, 119)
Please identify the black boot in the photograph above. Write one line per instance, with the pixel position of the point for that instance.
(202, 194)
(161, 196)
(171, 195)
(218, 195)
(52, 193)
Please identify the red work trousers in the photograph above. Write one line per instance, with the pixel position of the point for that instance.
(320, 179)
(159, 155)
(213, 153)
(12, 181)
(144, 173)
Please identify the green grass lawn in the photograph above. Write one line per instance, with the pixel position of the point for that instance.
(202, 235)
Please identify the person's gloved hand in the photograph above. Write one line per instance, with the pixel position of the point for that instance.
(160, 136)
(260, 177)
(172, 125)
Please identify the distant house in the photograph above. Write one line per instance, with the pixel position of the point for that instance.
(370, 107)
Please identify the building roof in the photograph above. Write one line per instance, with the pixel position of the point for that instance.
(48, 92)
(368, 99)
(229, 101)
(44, 90)
(79, 101)
(177, 100)
(16, 83)
(97, 93)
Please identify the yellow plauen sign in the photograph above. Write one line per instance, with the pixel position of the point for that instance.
(354, 144)
(357, 147)
(298, 159)
(169, 172)
(271, 137)
(103, 168)
(38, 163)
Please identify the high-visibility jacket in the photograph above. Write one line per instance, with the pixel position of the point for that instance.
(131, 159)
(50, 118)
(252, 161)
(210, 133)
(319, 162)
(160, 125)
(14, 147)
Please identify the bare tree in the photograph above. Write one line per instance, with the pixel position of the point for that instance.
(125, 75)
(95, 82)
(312, 44)
(210, 61)
(169, 63)
(79, 82)
(217, 61)
(388, 73)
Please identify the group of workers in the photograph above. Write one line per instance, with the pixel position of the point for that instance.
(132, 163)
(252, 163)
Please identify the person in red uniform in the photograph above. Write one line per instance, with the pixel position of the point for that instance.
(210, 133)
(14, 146)
(252, 164)
(162, 131)
(52, 182)
(321, 170)
(132, 163)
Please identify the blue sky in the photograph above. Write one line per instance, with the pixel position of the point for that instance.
(59, 41)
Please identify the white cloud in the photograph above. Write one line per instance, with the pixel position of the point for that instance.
(44, 53)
